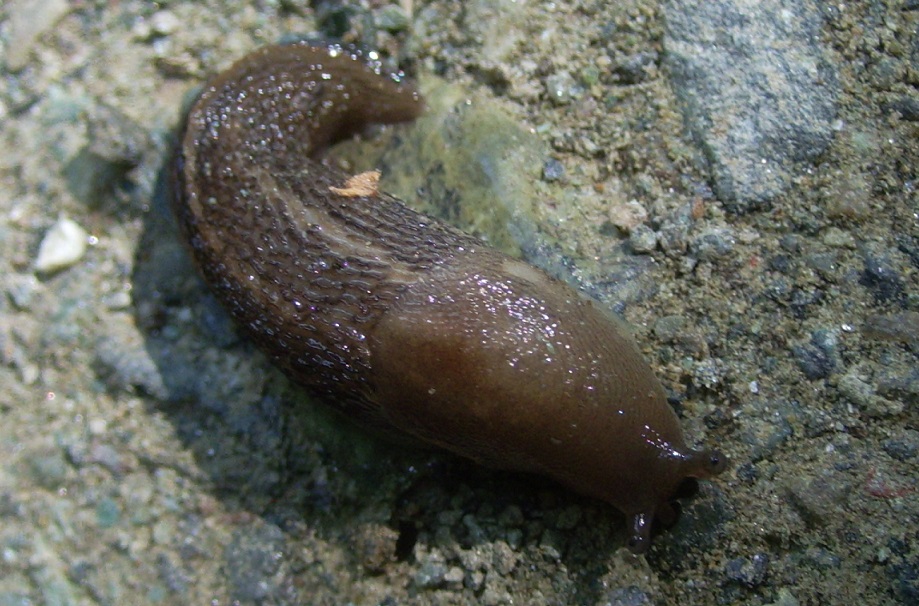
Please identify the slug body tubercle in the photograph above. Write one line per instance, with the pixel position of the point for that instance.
(399, 320)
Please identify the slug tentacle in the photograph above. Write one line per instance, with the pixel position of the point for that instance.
(399, 320)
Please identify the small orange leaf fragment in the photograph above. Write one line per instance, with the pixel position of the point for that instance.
(363, 184)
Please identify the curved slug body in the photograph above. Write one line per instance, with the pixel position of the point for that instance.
(399, 320)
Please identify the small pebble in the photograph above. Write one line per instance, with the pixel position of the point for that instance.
(122, 362)
(22, 289)
(475, 580)
(432, 573)
(674, 231)
(784, 598)
(120, 300)
(712, 244)
(643, 239)
(669, 328)
(907, 107)
(819, 498)
(838, 238)
(375, 546)
(902, 327)
(563, 88)
(108, 513)
(825, 264)
(505, 559)
(903, 446)
(882, 280)
(553, 170)
(708, 373)
(163, 23)
(635, 68)
(628, 215)
(817, 360)
(172, 576)
(48, 471)
(812, 362)
(628, 596)
(251, 560)
(454, 577)
(392, 18)
(747, 473)
(63, 245)
(750, 572)
(862, 395)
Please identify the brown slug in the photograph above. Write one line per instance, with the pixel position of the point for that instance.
(399, 320)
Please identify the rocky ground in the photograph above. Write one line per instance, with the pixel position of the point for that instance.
(737, 179)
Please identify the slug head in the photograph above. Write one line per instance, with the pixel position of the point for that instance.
(694, 465)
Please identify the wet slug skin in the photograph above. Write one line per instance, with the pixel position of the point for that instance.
(399, 320)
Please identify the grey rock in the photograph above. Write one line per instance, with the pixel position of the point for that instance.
(674, 231)
(906, 106)
(904, 446)
(431, 573)
(669, 328)
(123, 363)
(819, 358)
(48, 470)
(171, 575)
(708, 373)
(643, 239)
(749, 572)
(882, 280)
(252, 561)
(818, 498)
(699, 528)
(115, 146)
(747, 473)
(563, 88)
(108, 513)
(712, 244)
(26, 22)
(781, 263)
(758, 92)
(904, 571)
(392, 18)
(504, 559)
(635, 68)
(9, 598)
(22, 290)
(906, 582)
(553, 170)
(825, 264)
(627, 596)
(817, 557)
(813, 362)
(766, 436)
(902, 327)
(864, 396)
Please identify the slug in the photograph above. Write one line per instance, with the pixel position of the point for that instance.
(398, 320)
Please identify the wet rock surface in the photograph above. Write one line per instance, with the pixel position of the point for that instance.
(757, 87)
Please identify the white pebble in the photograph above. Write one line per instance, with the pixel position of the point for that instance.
(62, 246)
(164, 23)
(97, 427)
